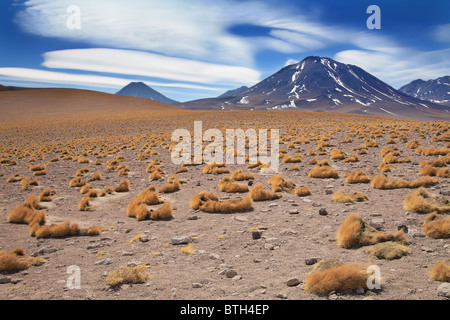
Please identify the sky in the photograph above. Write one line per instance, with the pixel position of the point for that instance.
(192, 49)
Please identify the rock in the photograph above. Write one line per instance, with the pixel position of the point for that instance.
(127, 254)
(359, 290)
(403, 227)
(4, 280)
(43, 251)
(293, 211)
(333, 297)
(377, 223)
(427, 249)
(316, 204)
(250, 183)
(192, 218)
(328, 191)
(256, 234)
(445, 193)
(231, 274)
(181, 240)
(444, 290)
(103, 262)
(241, 218)
(143, 238)
(293, 282)
(197, 285)
(273, 205)
(214, 256)
(323, 212)
(282, 296)
(311, 261)
(269, 246)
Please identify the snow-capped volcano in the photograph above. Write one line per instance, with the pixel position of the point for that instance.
(437, 90)
(323, 84)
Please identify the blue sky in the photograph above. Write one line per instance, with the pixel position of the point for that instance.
(201, 48)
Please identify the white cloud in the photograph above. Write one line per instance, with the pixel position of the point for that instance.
(139, 63)
(442, 33)
(42, 76)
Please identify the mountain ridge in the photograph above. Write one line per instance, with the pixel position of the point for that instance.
(141, 90)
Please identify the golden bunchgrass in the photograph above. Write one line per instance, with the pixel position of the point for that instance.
(420, 201)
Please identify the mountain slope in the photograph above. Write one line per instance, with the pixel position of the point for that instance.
(141, 90)
(437, 90)
(230, 93)
(67, 103)
(322, 84)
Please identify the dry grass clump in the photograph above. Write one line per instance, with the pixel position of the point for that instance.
(37, 167)
(27, 183)
(257, 193)
(238, 175)
(82, 172)
(437, 226)
(209, 202)
(382, 182)
(96, 177)
(40, 173)
(384, 167)
(441, 272)
(84, 204)
(337, 277)
(294, 159)
(18, 260)
(77, 182)
(420, 201)
(279, 183)
(47, 195)
(359, 176)
(323, 170)
(302, 191)
(215, 168)
(432, 151)
(355, 232)
(226, 184)
(388, 250)
(15, 178)
(173, 186)
(429, 170)
(135, 274)
(181, 170)
(351, 197)
(413, 144)
(106, 191)
(337, 154)
(439, 162)
(84, 189)
(163, 212)
(353, 158)
(124, 186)
(32, 203)
(390, 158)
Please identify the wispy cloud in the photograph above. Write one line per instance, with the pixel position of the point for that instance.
(145, 64)
(42, 76)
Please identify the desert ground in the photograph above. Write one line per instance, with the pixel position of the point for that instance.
(264, 252)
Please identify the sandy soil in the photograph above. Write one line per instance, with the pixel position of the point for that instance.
(222, 242)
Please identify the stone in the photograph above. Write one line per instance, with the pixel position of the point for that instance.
(328, 191)
(103, 262)
(282, 296)
(4, 280)
(323, 212)
(192, 218)
(311, 261)
(293, 282)
(293, 211)
(231, 274)
(256, 234)
(444, 290)
(197, 285)
(181, 240)
(427, 249)
(359, 290)
(403, 227)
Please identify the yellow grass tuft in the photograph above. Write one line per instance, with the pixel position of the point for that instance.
(351, 197)
(338, 278)
(77, 182)
(359, 176)
(437, 226)
(440, 272)
(280, 183)
(420, 201)
(388, 250)
(226, 184)
(173, 186)
(125, 275)
(238, 175)
(382, 182)
(302, 191)
(47, 195)
(123, 187)
(355, 232)
(18, 260)
(257, 193)
(209, 202)
(323, 170)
